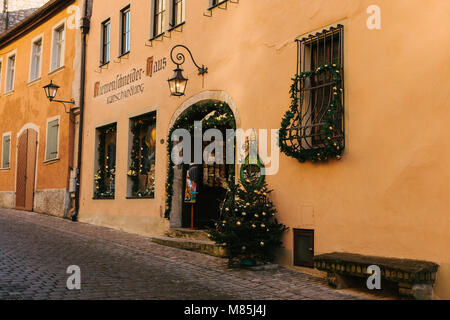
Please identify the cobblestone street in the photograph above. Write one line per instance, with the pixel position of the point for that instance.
(35, 251)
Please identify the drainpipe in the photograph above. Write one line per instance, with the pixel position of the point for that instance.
(85, 24)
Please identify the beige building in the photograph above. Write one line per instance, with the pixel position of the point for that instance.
(386, 196)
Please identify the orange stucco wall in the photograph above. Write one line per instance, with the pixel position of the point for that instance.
(27, 106)
(386, 197)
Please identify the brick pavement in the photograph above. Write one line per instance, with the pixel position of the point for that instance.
(35, 251)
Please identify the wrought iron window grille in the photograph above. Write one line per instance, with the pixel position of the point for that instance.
(315, 125)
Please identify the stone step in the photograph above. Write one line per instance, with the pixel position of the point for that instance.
(202, 246)
(185, 233)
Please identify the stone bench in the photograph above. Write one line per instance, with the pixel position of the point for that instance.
(414, 278)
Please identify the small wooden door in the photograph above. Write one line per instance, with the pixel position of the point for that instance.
(26, 168)
(304, 247)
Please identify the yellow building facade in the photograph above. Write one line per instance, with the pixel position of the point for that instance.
(38, 135)
(386, 196)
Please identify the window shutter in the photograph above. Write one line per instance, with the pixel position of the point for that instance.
(52, 140)
(6, 149)
(152, 18)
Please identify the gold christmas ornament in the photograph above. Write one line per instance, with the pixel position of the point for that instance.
(256, 215)
(264, 214)
(262, 243)
(238, 223)
(244, 214)
(224, 221)
(253, 226)
(263, 225)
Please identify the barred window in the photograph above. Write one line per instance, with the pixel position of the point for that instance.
(315, 90)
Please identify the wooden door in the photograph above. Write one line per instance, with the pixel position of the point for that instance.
(26, 168)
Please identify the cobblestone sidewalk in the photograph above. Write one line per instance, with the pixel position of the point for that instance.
(35, 251)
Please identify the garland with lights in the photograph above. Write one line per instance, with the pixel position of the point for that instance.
(135, 165)
(221, 117)
(333, 147)
(103, 173)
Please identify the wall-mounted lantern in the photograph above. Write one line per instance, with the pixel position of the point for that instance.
(51, 91)
(177, 84)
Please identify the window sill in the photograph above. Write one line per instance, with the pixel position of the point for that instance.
(5, 169)
(177, 26)
(51, 161)
(104, 198)
(56, 70)
(123, 55)
(218, 4)
(137, 198)
(104, 64)
(157, 36)
(34, 81)
(8, 93)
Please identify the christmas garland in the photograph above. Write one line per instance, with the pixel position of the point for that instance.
(135, 165)
(103, 173)
(333, 147)
(222, 118)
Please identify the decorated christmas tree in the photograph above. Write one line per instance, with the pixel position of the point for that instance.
(247, 227)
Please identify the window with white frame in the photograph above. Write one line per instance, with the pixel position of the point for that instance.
(10, 72)
(106, 42)
(51, 147)
(177, 12)
(159, 8)
(6, 150)
(58, 47)
(125, 23)
(36, 59)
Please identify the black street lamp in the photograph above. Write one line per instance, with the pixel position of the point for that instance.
(51, 90)
(177, 84)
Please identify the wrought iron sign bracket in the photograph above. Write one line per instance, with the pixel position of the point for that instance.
(181, 59)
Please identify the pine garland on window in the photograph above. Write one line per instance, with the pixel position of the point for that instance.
(333, 147)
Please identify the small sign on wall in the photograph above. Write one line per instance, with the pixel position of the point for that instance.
(154, 66)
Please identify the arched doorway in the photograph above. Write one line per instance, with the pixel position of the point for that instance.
(26, 169)
(212, 177)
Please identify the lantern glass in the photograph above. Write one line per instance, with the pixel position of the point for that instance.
(177, 84)
(51, 90)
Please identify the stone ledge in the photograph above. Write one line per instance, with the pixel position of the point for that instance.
(202, 246)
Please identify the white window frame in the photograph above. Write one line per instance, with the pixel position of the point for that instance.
(122, 49)
(102, 41)
(46, 138)
(63, 47)
(172, 23)
(12, 53)
(33, 41)
(10, 141)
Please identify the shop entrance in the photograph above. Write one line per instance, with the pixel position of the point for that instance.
(203, 185)
(26, 167)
